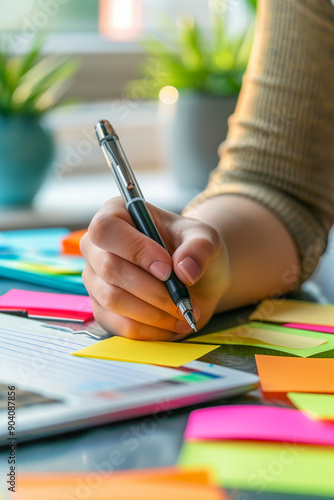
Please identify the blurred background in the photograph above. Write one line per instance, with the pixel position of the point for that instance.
(166, 73)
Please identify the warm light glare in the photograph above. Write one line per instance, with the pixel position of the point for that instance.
(120, 19)
(121, 15)
(168, 95)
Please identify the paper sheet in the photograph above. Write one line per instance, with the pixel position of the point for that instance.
(293, 311)
(43, 359)
(317, 406)
(281, 374)
(138, 351)
(48, 304)
(298, 342)
(257, 423)
(276, 467)
(141, 485)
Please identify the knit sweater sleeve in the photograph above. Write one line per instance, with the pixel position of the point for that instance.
(279, 149)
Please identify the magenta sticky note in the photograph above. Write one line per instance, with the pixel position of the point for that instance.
(257, 423)
(314, 328)
(55, 305)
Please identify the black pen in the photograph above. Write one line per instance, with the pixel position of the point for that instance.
(135, 204)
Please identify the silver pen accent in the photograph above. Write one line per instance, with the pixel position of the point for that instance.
(118, 162)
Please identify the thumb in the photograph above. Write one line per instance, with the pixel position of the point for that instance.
(198, 248)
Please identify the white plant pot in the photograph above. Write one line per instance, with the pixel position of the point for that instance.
(198, 127)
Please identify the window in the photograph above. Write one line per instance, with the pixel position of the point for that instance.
(73, 28)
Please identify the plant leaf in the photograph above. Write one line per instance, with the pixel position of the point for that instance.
(253, 4)
(30, 57)
(214, 65)
(37, 81)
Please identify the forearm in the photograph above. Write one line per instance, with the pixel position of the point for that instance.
(263, 258)
(279, 149)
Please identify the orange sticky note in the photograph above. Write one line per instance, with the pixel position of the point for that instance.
(279, 375)
(70, 245)
(194, 475)
(165, 484)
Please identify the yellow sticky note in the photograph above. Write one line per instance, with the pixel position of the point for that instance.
(294, 311)
(140, 351)
(252, 336)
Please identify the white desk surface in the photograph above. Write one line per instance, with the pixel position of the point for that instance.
(72, 201)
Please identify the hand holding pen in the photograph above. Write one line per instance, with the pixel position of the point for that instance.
(123, 264)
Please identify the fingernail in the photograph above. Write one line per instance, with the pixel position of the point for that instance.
(160, 270)
(196, 313)
(190, 268)
(182, 327)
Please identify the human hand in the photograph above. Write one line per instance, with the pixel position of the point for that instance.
(125, 272)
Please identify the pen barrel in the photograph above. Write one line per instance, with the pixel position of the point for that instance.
(144, 223)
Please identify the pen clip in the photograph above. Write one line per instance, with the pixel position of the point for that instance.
(118, 162)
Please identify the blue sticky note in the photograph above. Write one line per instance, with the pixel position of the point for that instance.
(33, 240)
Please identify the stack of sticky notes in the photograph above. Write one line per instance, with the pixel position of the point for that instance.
(34, 256)
(54, 306)
(262, 448)
(272, 448)
(149, 484)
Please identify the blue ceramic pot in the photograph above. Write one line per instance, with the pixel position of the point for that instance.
(26, 151)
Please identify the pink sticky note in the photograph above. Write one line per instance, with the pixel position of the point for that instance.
(257, 423)
(314, 328)
(55, 305)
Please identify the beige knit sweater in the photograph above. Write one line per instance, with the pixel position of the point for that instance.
(280, 145)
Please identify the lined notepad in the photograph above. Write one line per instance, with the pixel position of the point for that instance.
(43, 357)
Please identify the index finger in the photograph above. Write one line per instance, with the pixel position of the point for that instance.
(113, 230)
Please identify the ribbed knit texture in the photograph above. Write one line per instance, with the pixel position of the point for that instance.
(280, 147)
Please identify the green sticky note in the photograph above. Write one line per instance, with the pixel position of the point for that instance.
(317, 406)
(303, 343)
(259, 466)
(139, 351)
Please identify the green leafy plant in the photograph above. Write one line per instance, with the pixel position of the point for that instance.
(211, 63)
(30, 85)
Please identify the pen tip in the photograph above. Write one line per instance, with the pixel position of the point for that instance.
(190, 320)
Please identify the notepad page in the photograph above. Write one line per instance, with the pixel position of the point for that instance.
(35, 356)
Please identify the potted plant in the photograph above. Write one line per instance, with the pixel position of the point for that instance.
(29, 87)
(206, 69)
